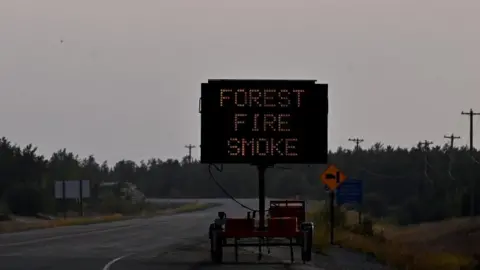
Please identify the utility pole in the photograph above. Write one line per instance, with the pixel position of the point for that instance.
(472, 188)
(471, 114)
(357, 142)
(452, 139)
(425, 144)
(358, 172)
(190, 147)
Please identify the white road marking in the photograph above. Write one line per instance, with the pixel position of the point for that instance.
(11, 254)
(162, 219)
(110, 263)
(82, 233)
(70, 235)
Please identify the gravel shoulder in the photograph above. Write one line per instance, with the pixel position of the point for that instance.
(339, 258)
(334, 258)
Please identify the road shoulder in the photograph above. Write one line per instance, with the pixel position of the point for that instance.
(195, 256)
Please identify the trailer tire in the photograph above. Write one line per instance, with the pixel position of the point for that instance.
(216, 247)
(210, 229)
(307, 243)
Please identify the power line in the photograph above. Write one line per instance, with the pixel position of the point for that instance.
(190, 147)
(376, 174)
(452, 138)
(212, 177)
(471, 114)
(357, 142)
(450, 164)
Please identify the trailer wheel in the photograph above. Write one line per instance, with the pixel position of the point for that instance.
(212, 250)
(307, 242)
(216, 247)
(210, 230)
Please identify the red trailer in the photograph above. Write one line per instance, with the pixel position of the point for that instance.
(285, 226)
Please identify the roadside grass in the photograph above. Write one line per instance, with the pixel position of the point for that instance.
(18, 226)
(192, 207)
(402, 256)
(388, 246)
(184, 208)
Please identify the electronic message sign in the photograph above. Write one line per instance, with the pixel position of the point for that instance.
(264, 122)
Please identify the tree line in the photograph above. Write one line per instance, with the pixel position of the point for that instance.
(405, 185)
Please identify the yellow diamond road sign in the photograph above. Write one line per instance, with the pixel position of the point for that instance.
(333, 177)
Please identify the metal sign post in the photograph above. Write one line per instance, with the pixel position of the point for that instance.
(261, 196)
(332, 217)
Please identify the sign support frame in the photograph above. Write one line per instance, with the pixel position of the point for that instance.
(81, 197)
(261, 171)
(261, 195)
(64, 200)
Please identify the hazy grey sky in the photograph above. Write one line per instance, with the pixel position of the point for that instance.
(126, 81)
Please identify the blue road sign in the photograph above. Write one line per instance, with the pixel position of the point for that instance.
(350, 192)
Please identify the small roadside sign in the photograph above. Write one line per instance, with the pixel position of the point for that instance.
(350, 192)
(333, 177)
(72, 189)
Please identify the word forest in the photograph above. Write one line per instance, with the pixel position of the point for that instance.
(269, 133)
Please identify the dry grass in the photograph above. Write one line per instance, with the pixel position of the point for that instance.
(460, 235)
(17, 226)
(191, 207)
(404, 256)
(450, 244)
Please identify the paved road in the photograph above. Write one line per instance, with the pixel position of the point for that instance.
(95, 246)
(175, 242)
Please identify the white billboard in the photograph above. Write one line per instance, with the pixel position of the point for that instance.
(72, 189)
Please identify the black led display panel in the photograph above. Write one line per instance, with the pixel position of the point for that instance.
(264, 122)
